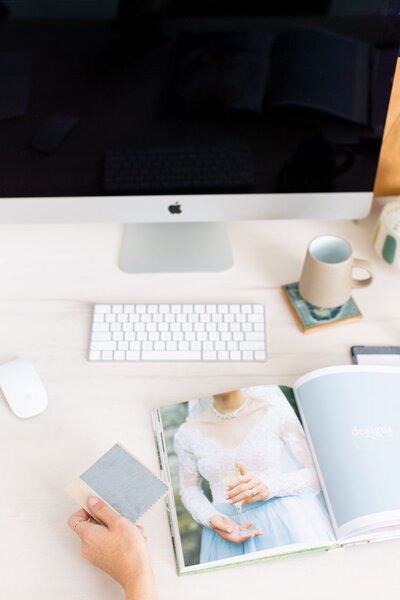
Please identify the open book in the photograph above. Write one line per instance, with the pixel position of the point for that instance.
(251, 70)
(311, 468)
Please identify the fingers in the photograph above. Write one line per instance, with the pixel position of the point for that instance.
(243, 537)
(242, 491)
(141, 529)
(239, 481)
(79, 521)
(242, 469)
(223, 528)
(102, 512)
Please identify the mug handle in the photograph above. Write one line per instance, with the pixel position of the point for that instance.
(362, 264)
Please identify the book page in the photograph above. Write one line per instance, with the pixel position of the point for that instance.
(317, 69)
(243, 483)
(352, 419)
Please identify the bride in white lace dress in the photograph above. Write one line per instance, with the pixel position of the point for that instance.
(280, 505)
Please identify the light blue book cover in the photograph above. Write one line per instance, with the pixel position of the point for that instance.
(352, 416)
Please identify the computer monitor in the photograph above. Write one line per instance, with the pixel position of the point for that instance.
(301, 86)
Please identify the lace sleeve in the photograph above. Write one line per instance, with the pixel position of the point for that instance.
(192, 495)
(305, 478)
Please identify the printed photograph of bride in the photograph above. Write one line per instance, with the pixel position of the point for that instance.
(242, 475)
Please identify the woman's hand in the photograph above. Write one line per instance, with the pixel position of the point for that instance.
(116, 546)
(247, 489)
(231, 531)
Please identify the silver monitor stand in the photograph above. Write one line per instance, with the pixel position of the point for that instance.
(175, 247)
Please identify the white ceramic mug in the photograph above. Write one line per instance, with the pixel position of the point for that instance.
(327, 276)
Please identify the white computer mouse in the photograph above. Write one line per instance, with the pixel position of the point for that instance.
(23, 388)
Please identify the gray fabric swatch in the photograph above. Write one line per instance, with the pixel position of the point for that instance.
(124, 483)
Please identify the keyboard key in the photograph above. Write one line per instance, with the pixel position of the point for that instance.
(104, 345)
(254, 336)
(98, 318)
(101, 336)
(238, 336)
(101, 327)
(210, 355)
(171, 356)
(102, 308)
(256, 318)
(252, 346)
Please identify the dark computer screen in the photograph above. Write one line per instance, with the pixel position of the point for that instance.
(135, 96)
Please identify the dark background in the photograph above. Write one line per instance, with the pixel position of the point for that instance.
(109, 64)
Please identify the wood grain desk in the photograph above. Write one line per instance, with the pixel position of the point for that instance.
(50, 276)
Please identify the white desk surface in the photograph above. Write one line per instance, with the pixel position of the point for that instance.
(49, 277)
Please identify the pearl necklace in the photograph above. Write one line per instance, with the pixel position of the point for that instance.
(229, 415)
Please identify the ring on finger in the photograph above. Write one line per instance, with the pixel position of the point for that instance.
(80, 521)
(254, 492)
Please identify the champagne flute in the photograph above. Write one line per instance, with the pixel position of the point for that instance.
(229, 476)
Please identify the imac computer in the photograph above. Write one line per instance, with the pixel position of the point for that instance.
(175, 117)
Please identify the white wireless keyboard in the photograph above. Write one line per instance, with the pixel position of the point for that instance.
(178, 332)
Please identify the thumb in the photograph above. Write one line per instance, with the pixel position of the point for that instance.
(242, 468)
(102, 512)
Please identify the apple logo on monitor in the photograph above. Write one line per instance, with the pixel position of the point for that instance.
(175, 209)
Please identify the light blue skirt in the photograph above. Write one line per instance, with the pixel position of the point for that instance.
(287, 520)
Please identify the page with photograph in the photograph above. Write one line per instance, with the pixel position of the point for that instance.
(352, 418)
(243, 482)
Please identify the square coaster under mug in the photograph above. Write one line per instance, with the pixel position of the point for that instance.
(311, 318)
